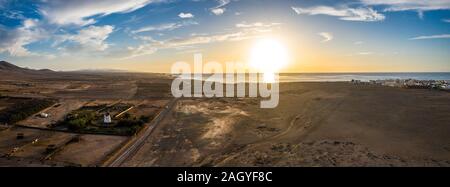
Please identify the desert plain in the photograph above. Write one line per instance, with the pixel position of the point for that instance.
(315, 124)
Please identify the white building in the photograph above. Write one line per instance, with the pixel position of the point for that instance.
(107, 118)
(44, 115)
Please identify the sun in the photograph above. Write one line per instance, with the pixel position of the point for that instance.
(268, 56)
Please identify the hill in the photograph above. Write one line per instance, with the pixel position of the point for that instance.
(8, 69)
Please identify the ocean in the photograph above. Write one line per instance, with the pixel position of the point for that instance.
(340, 77)
(337, 77)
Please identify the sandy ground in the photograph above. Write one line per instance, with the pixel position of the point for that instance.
(8, 140)
(148, 107)
(91, 150)
(73, 90)
(80, 85)
(315, 124)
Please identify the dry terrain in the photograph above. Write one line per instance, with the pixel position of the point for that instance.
(315, 124)
(35, 140)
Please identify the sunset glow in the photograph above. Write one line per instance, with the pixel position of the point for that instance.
(268, 56)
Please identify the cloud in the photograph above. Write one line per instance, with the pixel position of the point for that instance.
(152, 45)
(358, 42)
(420, 6)
(441, 36)
(139, 51)
(344, 13)
(256, 24)
(326, 36)
(182, 43)
(365, 53)
(220, 9)
(366, 13)
(164, 27)
(88, 39)
(81, 12)
(185, 15)
(133, 19)
(446, 20)
(417, 5)
(195, 39)
(13, 14)
(14, 41)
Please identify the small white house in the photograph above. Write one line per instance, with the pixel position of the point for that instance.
(107, 118)
(43, 115)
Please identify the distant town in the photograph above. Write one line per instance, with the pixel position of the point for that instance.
(408, 83)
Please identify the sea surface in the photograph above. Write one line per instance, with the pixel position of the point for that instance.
(340, 77)
(337, 77)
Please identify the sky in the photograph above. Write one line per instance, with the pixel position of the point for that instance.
(151, 35)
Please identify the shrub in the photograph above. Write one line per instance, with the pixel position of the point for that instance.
(145, 119)
(127, 116)
(23, 109)
(130, 126)
(77, 124)
(79, 119)
(130, 123)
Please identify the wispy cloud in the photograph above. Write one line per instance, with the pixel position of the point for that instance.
(133, 19)
(420, 6)
(366, 53)
(358, 42)
(164, 27)
(12, 14)
(362, 53)
(151, 45)
(81, 12)
(185, 15)
(14, 41)
(446, 20)
(139, 51)
(220, 9)
(326, 36)
(88, 39)
(255, 24)
(441, 36)
(204, 39)
(344, 13)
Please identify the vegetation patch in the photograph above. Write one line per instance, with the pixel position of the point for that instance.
(23, 109)
(90, 120)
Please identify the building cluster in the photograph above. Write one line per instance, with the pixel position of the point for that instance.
(408, 83)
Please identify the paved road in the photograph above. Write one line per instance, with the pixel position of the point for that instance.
(136, 143)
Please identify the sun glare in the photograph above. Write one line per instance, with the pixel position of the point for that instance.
(268, 56)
